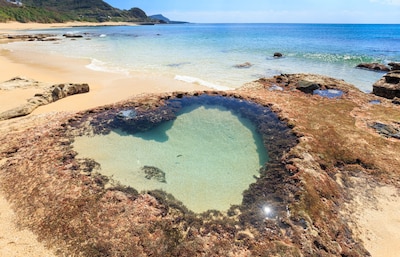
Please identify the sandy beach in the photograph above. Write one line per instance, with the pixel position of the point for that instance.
(107, 88)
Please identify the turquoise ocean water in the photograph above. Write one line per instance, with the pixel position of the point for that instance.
(207, 53)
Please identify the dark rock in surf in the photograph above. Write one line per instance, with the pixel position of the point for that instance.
(373, 66)
(71, 35)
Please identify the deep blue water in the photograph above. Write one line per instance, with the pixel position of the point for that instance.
(207, 53)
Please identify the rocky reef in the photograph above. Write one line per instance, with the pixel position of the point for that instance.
(299, 205)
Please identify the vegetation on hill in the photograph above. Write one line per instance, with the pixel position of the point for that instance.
(47, 11)
(159, 18)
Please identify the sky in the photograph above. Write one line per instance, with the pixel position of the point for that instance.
(270, 11)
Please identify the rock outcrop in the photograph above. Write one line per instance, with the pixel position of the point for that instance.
(309, 199)
(49, 95)
(373, 66)
(29, 37)
(388, 86)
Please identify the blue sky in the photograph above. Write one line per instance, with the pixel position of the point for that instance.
(292, 11)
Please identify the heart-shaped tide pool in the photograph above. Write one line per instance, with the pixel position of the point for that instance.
(205, 158)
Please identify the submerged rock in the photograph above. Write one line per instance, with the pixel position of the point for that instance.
(373, 66)
(154, 173)
(243, 65)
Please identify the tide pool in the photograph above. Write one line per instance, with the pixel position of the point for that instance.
(209, 156)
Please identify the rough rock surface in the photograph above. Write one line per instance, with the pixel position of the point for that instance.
(49, 95)
(388, 86)
(311, 183)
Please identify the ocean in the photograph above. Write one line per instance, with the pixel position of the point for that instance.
(207, 54)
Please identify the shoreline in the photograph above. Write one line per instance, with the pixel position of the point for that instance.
(14, 27)
(105, 87)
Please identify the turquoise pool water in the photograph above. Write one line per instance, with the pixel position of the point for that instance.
(208, 156)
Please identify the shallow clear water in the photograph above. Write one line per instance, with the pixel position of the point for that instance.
(209, 156)
(208, 53)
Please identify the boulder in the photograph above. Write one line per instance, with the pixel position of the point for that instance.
(307, 87)
(278, 55)
(388, 86)
(373, 66)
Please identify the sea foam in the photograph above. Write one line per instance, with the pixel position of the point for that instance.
(98, 65)
(201, 82)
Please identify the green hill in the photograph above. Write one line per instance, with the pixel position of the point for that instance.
(47, 11)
